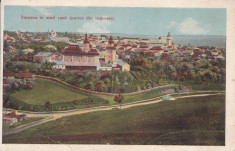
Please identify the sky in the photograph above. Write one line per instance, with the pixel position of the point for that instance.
(127, 20)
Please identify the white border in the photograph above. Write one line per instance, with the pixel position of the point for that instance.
(230, 70)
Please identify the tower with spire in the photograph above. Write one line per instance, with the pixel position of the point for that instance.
(110, 52)
(169, 39)
(86, 44)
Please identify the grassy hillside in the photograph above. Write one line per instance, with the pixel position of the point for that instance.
(191, 121)
(59, 96)
(45, 90)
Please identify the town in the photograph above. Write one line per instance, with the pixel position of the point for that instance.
(55, 71)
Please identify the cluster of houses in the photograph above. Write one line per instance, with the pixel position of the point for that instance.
(106, 54)
(85, 56)
(13, 117)
(10, 78)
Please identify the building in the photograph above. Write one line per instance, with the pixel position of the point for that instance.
(76, 58)
(169, 39)
(214, 52)
(59, 65)
(28, 50)
(8, 75)
(44, 56)
(12, 118)
(120, 64)
(11, 49)
(26, 76)
(110, 52)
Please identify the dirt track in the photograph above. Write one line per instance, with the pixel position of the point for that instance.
(57, 115)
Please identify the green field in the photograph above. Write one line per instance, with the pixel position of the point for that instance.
(189, 121)
(143, 96)
(59, 96)
(45, 90)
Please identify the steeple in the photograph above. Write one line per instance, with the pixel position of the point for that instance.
(86, 44)
(169, 39)
(169, 35)
(86, 39)
(110, 41)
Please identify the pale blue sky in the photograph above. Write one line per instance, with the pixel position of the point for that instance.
(145, 21)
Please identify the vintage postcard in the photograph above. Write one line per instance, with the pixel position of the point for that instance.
(115, 75)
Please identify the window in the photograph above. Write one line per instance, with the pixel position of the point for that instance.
(84, 59)
(89, 59)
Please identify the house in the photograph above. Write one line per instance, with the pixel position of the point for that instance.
(59, 65)
(5, 83)
(12, 118)
(8, 75)
(214, 52)
(220, 57)
(9, 120)
(157, 49)
(27, 76)
(11, 49)
(44, 57)
(5, 50)
(119, 63)
(28, 50)
(10, 39)
(51, 47)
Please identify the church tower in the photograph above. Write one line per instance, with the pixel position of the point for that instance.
(110, 52)
(86, 44)
(169, 39)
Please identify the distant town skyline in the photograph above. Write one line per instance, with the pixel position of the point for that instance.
(123, 20)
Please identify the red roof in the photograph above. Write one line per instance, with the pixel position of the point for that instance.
(8, 74)
(211, 58)
(25, 75)
(5, 81)
(75, 49)
(13, 115)
(11, 47)
(214, 50)
(125, 45)
(143, 46)
(9, 38)
(26, 41)
(151, 52)
(156, 48)
(5, 50)
(143, 49)
(39, 38)
(195, 55)
(169, 46)
(110, 47)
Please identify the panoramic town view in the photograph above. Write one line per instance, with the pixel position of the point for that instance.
(139, 83)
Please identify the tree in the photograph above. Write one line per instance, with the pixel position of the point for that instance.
(48, 104)
(119, 98)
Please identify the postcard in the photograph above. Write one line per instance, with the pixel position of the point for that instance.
(117, 76)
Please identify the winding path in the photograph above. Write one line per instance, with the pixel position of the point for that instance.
(59, 114)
